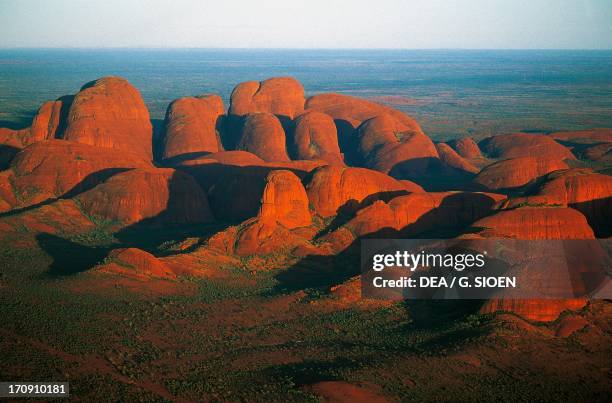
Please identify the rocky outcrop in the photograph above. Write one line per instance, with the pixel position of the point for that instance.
(59, 168)
(355, 111)
(281, 96)
(451, 159)
(315, 138)
(536, 223)
(417, 213)
(516, 172)
(46, 123)
(592, 136)
(385, 142)
(135, 263)
(284, 207)
(154, 195)
(110, 113)
(598, 152)
(191, 126)
(525, 145)
(337, 190)
(586, 191)
(263, 135)
(284, 200)
(466, 147)
(537, 310)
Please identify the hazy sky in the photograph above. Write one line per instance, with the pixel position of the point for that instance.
(574, 24)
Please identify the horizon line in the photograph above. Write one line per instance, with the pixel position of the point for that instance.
(284, 48)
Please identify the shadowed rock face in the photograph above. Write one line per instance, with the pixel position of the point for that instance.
(281, 96)
(584, 136)
(385, 142)
(525, 145)
(449, 157)
(284, 206)
(334, 190)
(159, 195)
(419, 212)
(315, 138)
(191, 126)
(110, 113)
(263, 135)
(55, 168)
(599, 152)
(535, 223)
(586, 191)
(466, 147)
(516, 172)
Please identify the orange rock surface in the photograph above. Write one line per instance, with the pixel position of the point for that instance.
(284, 206)
(281, 96)
(385, 142)
(158, 195)
(191, 126)
(587, 191)
(355, 110)
(335, 189)
(135, 263)
(516, 172)
(46, 122)
(535, 223)
(538, 310)
(466, 147)
(315, 138)
(452, 159)
(110, 113)
(264, 136)
(55, 168)
(285, 201)
(525, 145)
(418, 212)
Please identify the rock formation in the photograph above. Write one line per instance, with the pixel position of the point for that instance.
(466, 147)
(281, 96)
(315, 138)
(385, 142)
(284, 207)
(525, 145)
(158, 195)
(333, 190)
(535, 223)
(135, 263)
(586, 191)
(191, 126)
(263, 135)
(516, 172)
(56, 168)
(453, 160)
(110, 113)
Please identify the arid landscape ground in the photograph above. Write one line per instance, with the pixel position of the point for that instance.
(215, 256)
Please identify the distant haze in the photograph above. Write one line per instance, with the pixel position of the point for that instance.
(473, 24)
